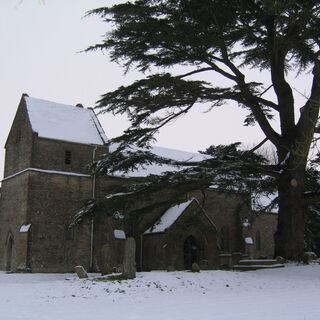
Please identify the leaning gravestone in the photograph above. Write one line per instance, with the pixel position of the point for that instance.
(81, 273)
(195, 267)
(106, 264)
(280, 259)
(129, 261)
(307, 257)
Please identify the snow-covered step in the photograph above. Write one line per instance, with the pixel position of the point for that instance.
(264, 262)
(252, 267)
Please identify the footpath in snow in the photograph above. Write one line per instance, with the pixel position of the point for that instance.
(291, 293)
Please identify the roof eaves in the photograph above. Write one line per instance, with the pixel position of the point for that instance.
(168, 228)
(98, 126)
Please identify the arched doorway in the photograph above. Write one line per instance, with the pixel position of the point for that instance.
(191, 252)
(9, 253)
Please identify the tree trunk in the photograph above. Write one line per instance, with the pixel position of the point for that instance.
(289, 238)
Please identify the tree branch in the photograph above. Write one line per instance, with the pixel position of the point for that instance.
(259, 145)
(280, 85)
(311, 198)
(194, 72)
(249, 98)
(219, 70)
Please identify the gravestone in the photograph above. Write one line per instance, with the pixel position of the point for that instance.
(280, 259)
(129, 261)
(195, 267)
(308, 257)
(81, 273)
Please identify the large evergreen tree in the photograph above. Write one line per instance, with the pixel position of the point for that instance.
(225, 38)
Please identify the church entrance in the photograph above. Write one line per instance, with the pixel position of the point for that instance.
(191, 252)
(9, 254)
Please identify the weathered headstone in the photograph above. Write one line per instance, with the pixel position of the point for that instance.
(195, 267)
(106, 264)
(81, 273)
(307, 257)
(129, 261)
(280, 259)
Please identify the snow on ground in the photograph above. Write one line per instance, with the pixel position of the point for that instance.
(291, 293)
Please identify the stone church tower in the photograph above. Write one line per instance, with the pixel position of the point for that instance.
(45, 181)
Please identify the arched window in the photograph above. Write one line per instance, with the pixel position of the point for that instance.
(258, 240)
(224, 239)
(9, 253)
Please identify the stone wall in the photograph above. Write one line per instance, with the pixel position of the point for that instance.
(50, 154)
(264, 224)
(49, 201)
(13, 214)
(19, 143)
(226, 210)
(53, 201)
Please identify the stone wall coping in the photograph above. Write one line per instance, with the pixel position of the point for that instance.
(65, 173)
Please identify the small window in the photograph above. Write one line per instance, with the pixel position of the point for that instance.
(67, 157)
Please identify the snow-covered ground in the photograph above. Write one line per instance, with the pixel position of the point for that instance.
(291, 293)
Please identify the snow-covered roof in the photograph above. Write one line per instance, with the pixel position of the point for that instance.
(157, 169)
(169, 218)
(64, 122)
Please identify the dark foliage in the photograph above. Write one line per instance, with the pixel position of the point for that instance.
(219, 38)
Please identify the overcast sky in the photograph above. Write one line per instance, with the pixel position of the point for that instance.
(40, 55)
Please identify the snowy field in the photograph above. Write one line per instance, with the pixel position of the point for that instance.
(292, 293)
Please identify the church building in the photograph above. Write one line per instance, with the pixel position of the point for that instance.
(46, 182)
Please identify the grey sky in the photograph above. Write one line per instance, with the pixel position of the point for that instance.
(39, 55)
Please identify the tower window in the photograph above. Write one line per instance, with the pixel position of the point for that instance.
(67, 157)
